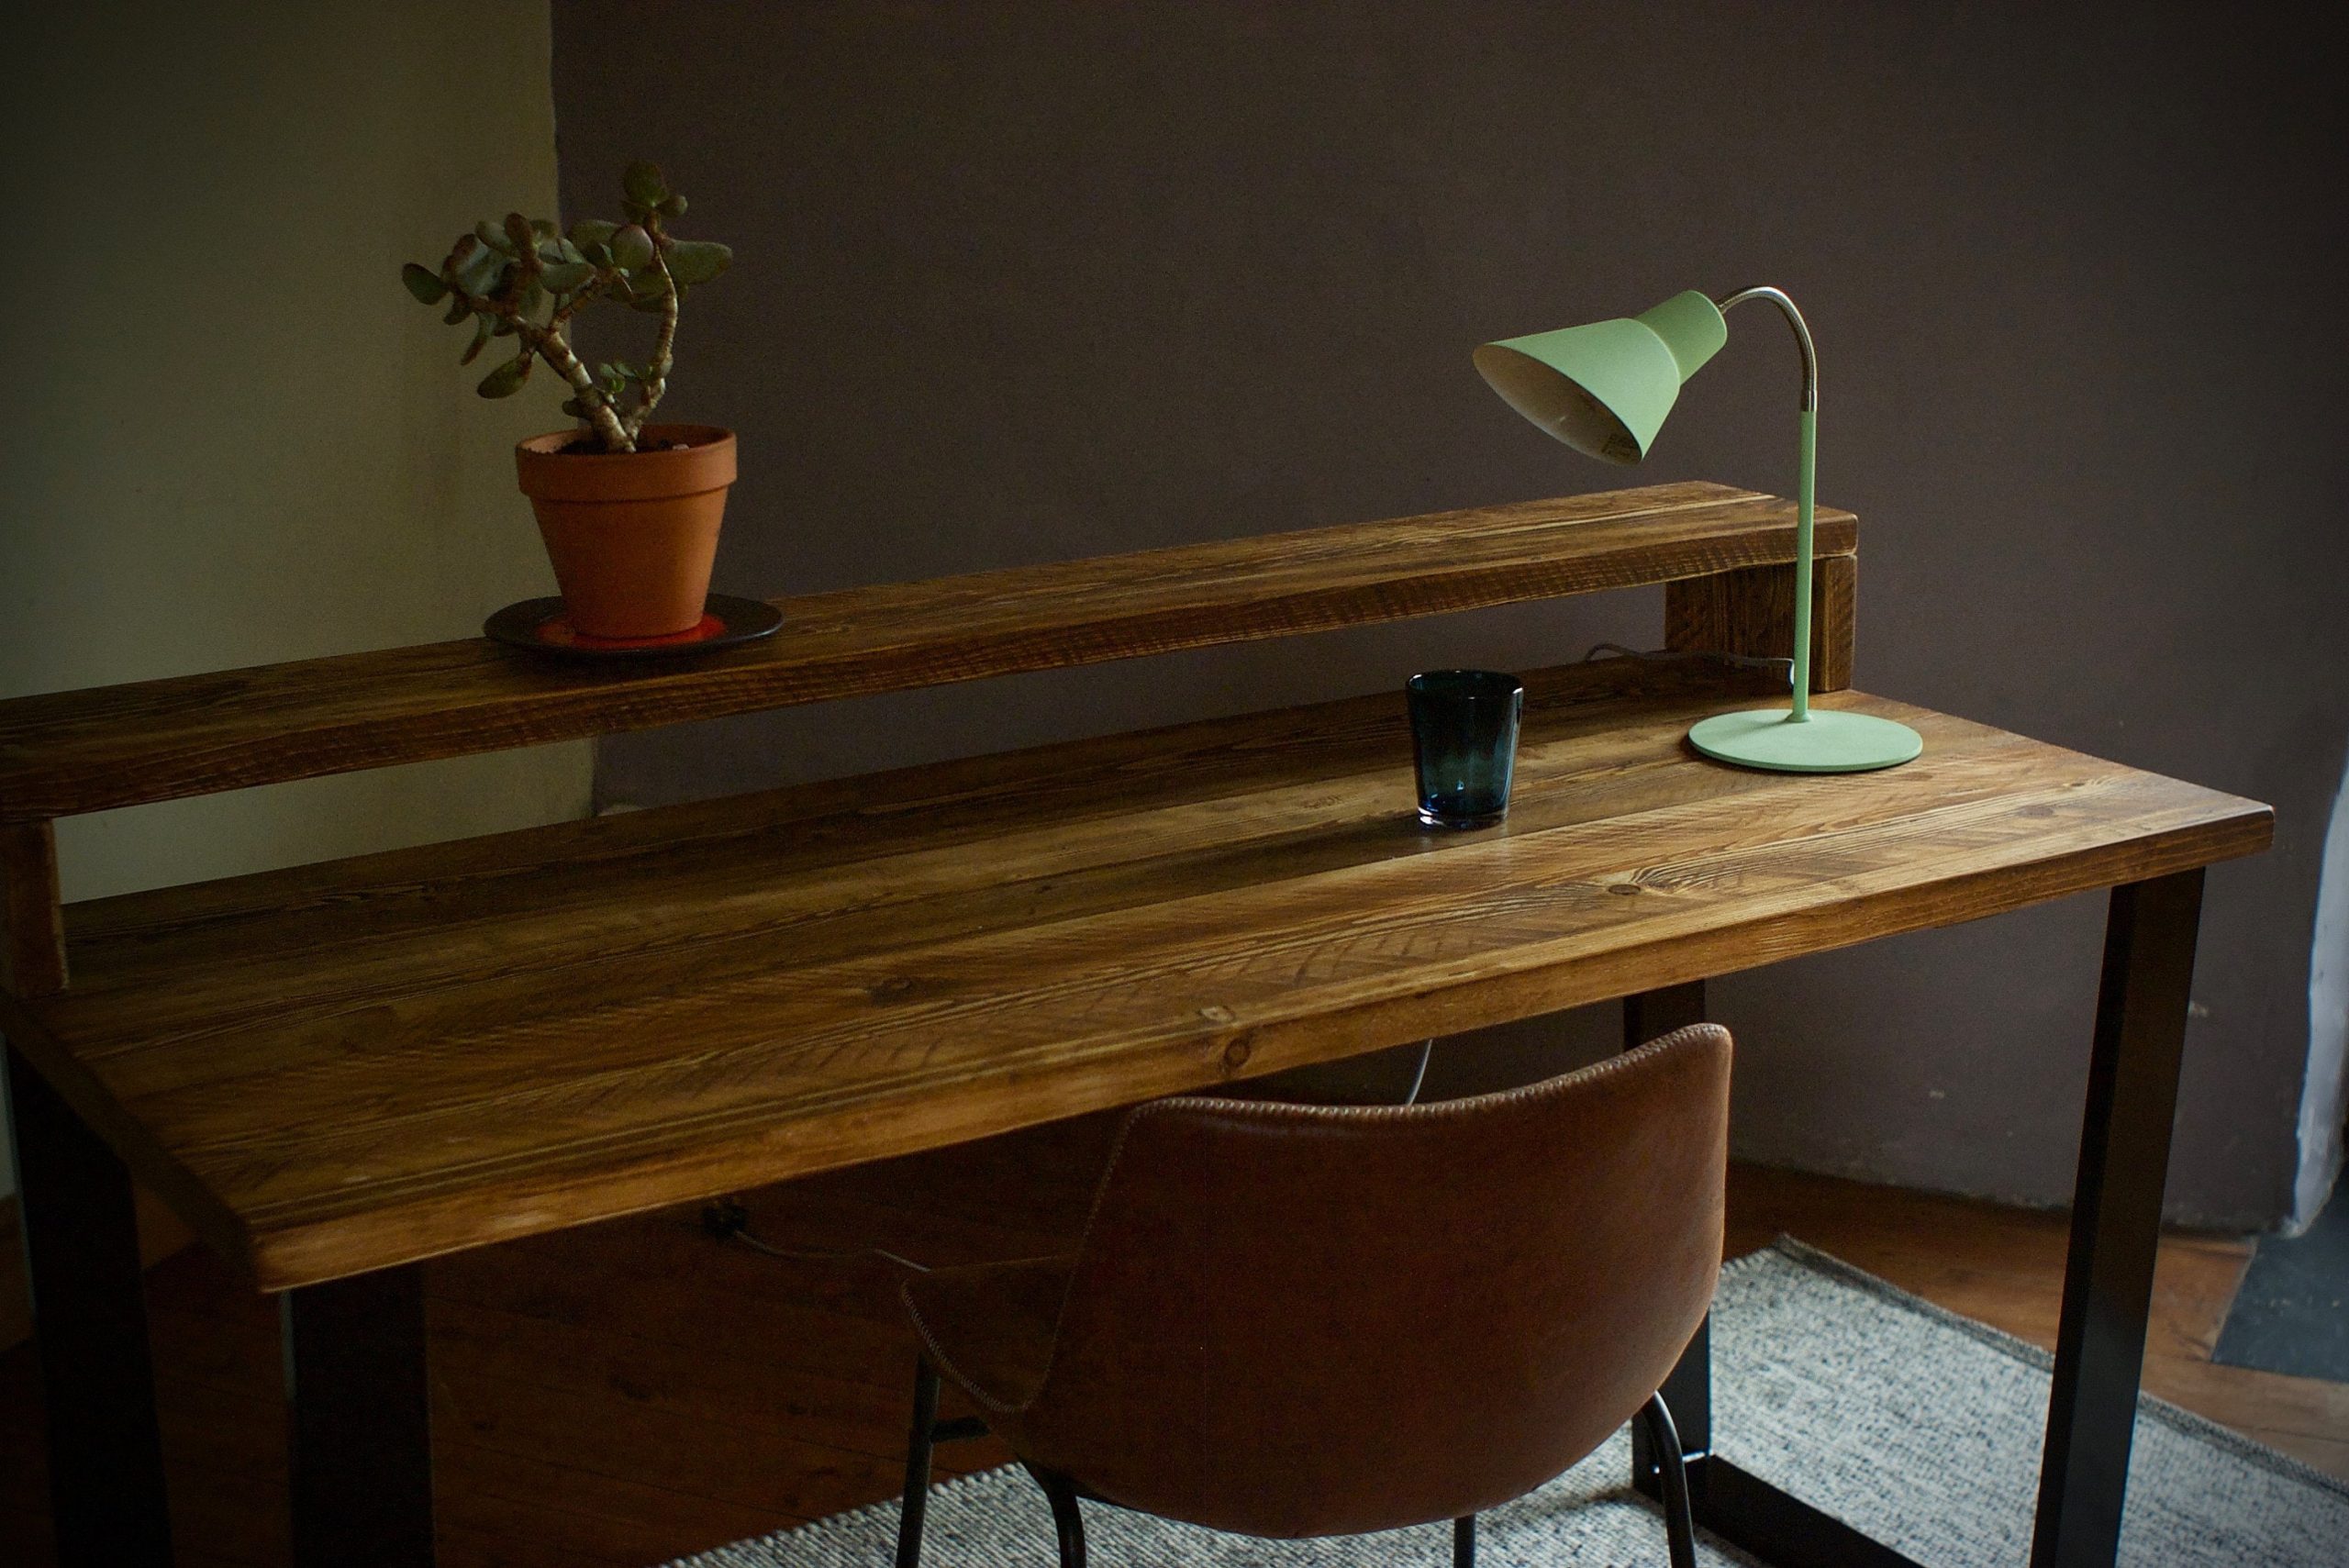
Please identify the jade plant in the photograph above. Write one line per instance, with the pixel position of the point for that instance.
(526, 278)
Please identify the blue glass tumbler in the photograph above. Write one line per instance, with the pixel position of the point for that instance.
(1463, 737)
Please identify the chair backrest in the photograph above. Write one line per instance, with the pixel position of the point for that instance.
(1292, 1320)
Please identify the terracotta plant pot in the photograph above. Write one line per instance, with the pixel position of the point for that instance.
(631, 534)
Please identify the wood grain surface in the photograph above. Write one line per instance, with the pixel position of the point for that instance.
(68, 752)
(32, 936)
(359, 1063)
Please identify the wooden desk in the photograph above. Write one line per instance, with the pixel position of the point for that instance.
(337, 1071)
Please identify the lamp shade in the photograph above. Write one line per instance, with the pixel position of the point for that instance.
(1604, 389)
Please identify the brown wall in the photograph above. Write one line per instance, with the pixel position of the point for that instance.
(1021, 282)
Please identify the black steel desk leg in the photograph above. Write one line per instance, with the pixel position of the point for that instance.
(359, 1440)
(1689, 1392)
(2116, 1218)
(81, 1237)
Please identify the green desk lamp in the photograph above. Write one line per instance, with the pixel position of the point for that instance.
(1604, 390)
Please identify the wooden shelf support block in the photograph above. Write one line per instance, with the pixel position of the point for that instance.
(1752, 611)
(32, 963)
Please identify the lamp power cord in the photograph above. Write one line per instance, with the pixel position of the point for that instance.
(726, 1219)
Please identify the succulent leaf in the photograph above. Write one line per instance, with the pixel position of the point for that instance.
(483, 326)
(506, 379)
(644, 185)
(483, 275)
(524, 278)
(693, 261)
(631, 249)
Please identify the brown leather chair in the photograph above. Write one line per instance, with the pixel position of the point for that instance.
(1292, 1320)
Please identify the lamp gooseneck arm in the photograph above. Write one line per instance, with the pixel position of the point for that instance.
(1729, 301)
(1808, 461)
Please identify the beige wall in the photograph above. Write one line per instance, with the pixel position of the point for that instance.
(231, 436)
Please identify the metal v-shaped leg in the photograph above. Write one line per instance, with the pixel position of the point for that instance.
(2108, 1276)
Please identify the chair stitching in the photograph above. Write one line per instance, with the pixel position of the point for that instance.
(1259, 1112)
(1262, 1111)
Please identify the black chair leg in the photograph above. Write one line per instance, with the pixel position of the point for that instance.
(1066, 1521)
(916, 1506)
(1464, 1543)
(1679, 1529)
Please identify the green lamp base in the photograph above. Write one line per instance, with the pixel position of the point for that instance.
(1828, 742)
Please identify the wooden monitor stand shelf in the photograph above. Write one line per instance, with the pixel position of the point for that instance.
(335, 1071)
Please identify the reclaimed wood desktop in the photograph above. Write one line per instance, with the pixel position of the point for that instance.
(335, 1071)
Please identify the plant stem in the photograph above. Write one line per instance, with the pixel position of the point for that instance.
(649, 391)
(556, 352)
(547, 342)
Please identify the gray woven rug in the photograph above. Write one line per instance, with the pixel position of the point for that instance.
(1920, 1426)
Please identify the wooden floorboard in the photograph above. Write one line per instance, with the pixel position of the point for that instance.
(2005, 1267)
(628, 1393)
